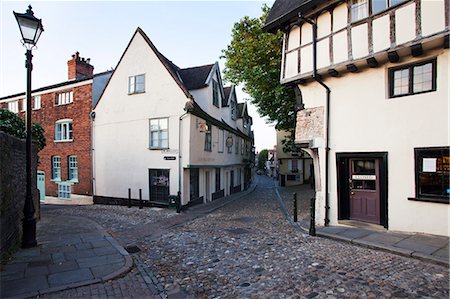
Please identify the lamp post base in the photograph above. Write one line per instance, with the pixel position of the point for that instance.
(29, 233)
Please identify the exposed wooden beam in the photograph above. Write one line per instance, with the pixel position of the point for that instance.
(393, 56)
(372, 62)
(416, 50)
(333, 73)
(352, 68)
(446, 41)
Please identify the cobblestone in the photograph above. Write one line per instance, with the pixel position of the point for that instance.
(248, 249)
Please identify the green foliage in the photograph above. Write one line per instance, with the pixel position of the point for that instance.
(12, 124)
(262, 159)
(253, 59)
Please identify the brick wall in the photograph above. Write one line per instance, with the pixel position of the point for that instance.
(13, 189)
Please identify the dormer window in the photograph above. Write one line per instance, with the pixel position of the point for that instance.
(233, 109)
(215, 88)
(136, 84)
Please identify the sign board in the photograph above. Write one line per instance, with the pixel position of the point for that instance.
(170, 158)
(370, 177)
(429, 165)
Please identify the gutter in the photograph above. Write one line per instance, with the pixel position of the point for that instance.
(327, 127)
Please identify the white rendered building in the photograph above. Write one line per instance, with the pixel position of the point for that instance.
(166, 130)
(373, 78)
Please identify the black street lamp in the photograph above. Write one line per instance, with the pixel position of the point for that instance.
(30, 29)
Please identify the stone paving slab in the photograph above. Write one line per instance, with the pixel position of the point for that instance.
(74, 251)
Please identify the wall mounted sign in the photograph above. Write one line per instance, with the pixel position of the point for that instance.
(169, 151)
(170, 158)
(229, 141)
(370, 177)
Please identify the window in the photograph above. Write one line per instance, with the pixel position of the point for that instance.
(73, 168)
(56, 168)
(230, 143)
(37, 102)
(221, 140)
(217, 179)
(293, 166)
(64, 190)
(215, 87)
(432, 174)
(24, 104)
(13, 106)
(380, 5)
(412, 79)
(136, 84)
(159, 185)
(63, 130)
(359, 10)
(64, 98)
(208, 138)
(233, 109)
(242, 146)
(159, 133)
(236, 146)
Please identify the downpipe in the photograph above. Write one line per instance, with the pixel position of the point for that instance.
(327, 126)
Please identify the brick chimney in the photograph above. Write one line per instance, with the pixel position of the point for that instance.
(79, 68)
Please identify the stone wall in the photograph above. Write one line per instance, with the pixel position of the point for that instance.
(13, 189)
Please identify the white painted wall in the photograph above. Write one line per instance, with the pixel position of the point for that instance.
(364, 119)
(405, 21)
(121, 126)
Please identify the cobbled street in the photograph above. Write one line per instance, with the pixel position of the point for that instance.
(248, 249)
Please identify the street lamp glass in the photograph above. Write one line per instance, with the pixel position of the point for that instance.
(30, 26)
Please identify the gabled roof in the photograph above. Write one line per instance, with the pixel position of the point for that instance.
(195, 77)
(241, 107)
(227, 92)
(283, 11)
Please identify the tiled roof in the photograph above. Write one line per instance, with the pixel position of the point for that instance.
(283, 11)
(195, 77)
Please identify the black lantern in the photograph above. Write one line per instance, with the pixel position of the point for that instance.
(30, 27)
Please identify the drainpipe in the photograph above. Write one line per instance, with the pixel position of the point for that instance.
(180, 173)
(327, 127)
(92, 118)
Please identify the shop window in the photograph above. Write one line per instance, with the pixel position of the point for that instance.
(432, 174)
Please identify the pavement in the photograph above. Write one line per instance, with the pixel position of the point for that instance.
(72, 251)
(428, 247)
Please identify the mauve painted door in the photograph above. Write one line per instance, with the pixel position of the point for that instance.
(365, 190)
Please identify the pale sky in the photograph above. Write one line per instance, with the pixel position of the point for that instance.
(190, 33)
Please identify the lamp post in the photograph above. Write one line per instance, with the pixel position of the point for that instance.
(30, 29)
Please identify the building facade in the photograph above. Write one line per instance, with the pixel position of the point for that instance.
(374, 101)
(63, 110)
(295, 167)
(162, 130)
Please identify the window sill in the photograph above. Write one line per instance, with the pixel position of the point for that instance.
(157, 148)
(136, 92)
(430, 199)
(73, 181)
(62, 141)
(56, 180)
(56, 105)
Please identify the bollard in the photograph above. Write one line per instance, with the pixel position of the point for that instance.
(178, 204)
(140, 198)
(295, 207)
(129, 197)
(312, 225)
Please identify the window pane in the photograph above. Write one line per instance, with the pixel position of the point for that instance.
(395, 2)
(359, 10)
(163, 124)
(423, 77)
(401, 82)
(154, 139)
(378, 5)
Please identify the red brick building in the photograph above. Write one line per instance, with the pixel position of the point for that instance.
(64, 111)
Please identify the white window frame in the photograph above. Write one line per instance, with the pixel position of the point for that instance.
(359, 10)
(13, 106)
(64, 98)
(221, 140)
(72, 162)
(24, 104)
(36, 102)
(56, 168)
(64, 130)
(159, 132)
(134, 86)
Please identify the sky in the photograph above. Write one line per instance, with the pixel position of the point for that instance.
(190, 33)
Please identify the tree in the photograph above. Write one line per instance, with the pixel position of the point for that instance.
(262, 159)
(12, 124)
(253, 59)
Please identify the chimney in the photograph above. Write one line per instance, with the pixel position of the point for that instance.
(79, 68)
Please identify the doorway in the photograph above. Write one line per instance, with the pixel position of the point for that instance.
(207, 186)
(41, 185)
(362, 187)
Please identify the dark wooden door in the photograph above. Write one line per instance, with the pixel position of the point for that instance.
(159, 185)
(365, 190)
